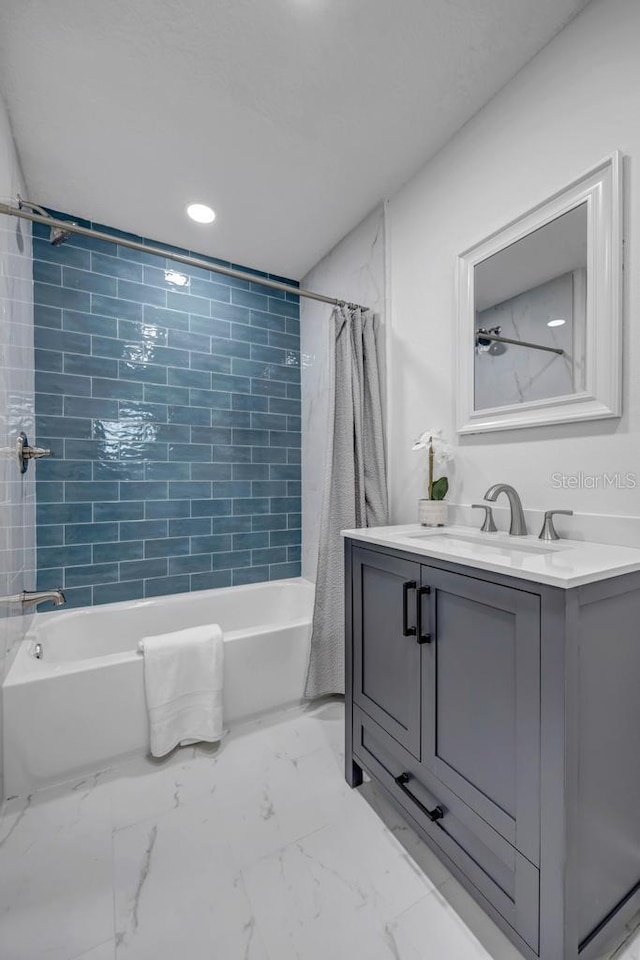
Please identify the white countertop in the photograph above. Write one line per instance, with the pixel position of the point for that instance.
(561, 563)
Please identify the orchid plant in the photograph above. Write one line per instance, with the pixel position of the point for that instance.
(439, 452)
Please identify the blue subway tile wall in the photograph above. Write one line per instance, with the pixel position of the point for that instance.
(171, 399)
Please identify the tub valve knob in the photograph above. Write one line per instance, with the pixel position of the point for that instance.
(25, 452)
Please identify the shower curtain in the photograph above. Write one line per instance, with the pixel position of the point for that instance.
(355, 484)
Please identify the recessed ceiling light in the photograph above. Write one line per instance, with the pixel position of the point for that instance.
(201, 213)
(556, 323)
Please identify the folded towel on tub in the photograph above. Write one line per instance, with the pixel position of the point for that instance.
(183, 674)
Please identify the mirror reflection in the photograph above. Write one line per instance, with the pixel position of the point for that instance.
(530, 303)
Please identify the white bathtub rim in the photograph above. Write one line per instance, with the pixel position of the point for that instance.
(27, 668)
(170, 599)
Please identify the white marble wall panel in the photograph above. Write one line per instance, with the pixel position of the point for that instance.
(17, 494)
(354, 271)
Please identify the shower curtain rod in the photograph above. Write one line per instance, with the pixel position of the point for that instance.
(71, 227)
(481, 335)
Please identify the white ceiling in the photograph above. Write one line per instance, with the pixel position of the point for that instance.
(292, 118)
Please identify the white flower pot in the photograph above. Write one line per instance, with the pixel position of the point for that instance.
(432, 513)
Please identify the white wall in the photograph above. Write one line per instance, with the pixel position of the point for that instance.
(353, 271)
(17, 495)
(576, 102)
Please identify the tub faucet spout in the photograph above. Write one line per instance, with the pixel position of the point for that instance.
(57, 597)
(28, 597)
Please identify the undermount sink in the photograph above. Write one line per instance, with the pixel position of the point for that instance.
(490, 543)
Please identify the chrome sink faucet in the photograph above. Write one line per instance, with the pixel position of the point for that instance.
(518, 526)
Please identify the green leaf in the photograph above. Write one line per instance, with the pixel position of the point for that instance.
(439, 489)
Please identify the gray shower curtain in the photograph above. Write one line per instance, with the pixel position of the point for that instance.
(355, 484)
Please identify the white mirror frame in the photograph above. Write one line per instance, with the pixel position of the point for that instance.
(601, 188)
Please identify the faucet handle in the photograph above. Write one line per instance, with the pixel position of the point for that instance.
(488, 525)
(548, 531)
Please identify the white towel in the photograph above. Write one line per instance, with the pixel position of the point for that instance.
(183, 674)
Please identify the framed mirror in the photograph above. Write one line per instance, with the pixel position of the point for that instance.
(539, 312)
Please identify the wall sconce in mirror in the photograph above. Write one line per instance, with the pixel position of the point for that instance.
(539, 312)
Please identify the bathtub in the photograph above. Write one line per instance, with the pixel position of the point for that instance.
(82, 705)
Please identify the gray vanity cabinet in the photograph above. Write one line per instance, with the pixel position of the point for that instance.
(502, 718)
(386, 655)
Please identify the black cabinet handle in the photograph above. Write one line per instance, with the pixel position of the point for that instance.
(420, 593)
(436, 814)
(407, 631)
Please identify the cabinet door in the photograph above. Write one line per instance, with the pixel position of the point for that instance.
(386, 654)
(481, 717)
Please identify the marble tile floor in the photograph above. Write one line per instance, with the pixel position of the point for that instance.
(253, 850)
